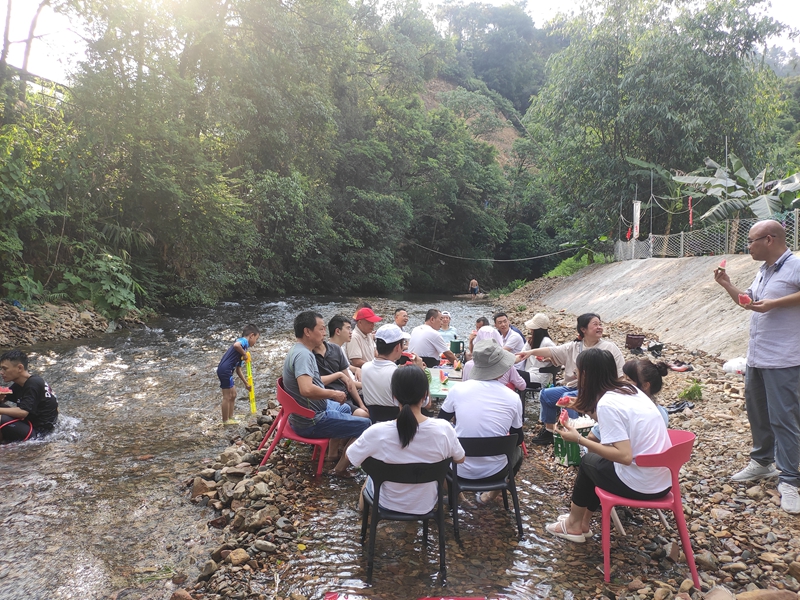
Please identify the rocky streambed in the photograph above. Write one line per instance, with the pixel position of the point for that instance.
(289, 535)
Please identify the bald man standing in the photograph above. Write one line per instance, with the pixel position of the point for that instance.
(772, 379)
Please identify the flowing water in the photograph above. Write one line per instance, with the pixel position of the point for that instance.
(100, 505)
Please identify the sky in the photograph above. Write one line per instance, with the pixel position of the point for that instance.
(57, 47)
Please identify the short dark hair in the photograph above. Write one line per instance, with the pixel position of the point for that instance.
(384, 348)
(336, 322)
(363, 304)
(643, 370)
(483, 321)
(250, 328)
(16, 356)
(305, 320)
(409, 386)
(597, 374)
(496, 316)
(431, 314)
(397, 310)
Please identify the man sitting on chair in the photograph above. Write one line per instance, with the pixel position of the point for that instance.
(484, 407)
(332, 418)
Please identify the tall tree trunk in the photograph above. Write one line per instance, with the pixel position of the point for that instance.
(23, 78)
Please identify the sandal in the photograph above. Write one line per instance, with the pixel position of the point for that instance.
(559, 529)
(481, 502)
(586, 534)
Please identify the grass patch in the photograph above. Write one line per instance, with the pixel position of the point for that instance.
(572, 265)
(511, 287)
(692, 393)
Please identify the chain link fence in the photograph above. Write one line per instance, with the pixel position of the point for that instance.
(725, 237)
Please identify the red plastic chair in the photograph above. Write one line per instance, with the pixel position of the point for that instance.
(283, 429)
(673, 458)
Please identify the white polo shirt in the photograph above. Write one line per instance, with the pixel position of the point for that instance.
(425, 341)
(376, 382)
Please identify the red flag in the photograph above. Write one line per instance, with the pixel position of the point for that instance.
(628, 236)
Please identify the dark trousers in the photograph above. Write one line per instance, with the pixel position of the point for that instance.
(598, 471)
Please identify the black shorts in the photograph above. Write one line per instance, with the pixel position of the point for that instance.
(15, 430)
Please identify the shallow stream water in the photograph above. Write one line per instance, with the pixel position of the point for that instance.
(100, 507)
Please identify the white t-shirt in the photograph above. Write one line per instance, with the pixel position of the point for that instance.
(376, 382)
(533, 364)
(514, 342)
(435, 440)
(483, 409)
(637, 419)
(425, 341)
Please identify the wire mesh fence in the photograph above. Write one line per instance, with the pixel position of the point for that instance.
(725, 237)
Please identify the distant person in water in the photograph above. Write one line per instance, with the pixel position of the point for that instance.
(30, 410)
(232, 360)
(474, 288)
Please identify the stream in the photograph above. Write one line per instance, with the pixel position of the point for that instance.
(100, 505)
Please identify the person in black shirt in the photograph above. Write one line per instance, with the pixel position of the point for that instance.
(31, 410)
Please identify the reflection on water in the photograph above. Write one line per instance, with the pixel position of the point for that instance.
(99, 505)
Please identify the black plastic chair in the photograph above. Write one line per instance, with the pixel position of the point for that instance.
(476, 447)
(379, 413)
(413, 473)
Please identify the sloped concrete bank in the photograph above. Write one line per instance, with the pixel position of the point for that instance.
(676, 298)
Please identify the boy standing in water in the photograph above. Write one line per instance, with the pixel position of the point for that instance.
(233, 360)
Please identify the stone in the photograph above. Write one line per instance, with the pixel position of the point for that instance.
(262, 518)
(686, 585)
(259, 490)
(769, 557)
(230, 456)
(755, 492)
(720, 513)
(265, 546)
(661, 594)
(719, 593)
(767, 595)
(635, 585)
(735, 567)
(794, 569)
(86, 317)
(238, 557)
(706, 560)
(673, 551)
(202, 486)
(180, 594)
(209, 568)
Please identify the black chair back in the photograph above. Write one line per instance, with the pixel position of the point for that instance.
(378, 413)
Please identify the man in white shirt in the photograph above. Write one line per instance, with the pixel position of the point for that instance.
(426, 342)
(484, 407)
(376, 376)
(361, 348)
(401, 318)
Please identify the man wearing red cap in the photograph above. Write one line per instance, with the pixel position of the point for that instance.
(361, 348)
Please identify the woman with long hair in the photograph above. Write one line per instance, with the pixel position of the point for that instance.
(411, 438)
(538, 337)
(590, 335)
(631, 426)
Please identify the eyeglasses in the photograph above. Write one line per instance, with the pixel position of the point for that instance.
(751, 242)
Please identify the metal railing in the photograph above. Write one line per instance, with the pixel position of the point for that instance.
(725, 237)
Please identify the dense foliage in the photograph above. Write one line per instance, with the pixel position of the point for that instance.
(210, 148)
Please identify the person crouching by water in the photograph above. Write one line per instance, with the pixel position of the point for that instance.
(31, 409)
(631, 426)
(411, 438)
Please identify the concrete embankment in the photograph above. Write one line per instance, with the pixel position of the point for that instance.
(676, 298)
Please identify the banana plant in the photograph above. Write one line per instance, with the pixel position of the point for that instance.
(734, 190)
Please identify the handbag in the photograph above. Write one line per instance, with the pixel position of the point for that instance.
(633, 341)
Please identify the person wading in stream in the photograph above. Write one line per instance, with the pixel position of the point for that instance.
(332, 417)
(31, 409)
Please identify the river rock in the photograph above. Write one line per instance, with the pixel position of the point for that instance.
(635, 585)
(209, 568)
(262, 518)
(770, 557)
(794, 569)
(265, 546)
(180, 594)
(238, 557)
(202, 486)
(259, 490)
(661, 594)
(230, 456)
(719, 593)
(706, 560)
(755, 492)
(686, 585)
(767, 595)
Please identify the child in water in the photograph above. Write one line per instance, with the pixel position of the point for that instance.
(232, 360)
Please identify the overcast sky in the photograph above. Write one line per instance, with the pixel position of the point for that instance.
(57, 49)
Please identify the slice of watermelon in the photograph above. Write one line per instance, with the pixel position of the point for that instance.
(744, 299)
(564, 401)
(563, 418)
(4, 390)
(722, 264)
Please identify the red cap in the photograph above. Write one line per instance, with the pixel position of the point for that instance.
(367, 315)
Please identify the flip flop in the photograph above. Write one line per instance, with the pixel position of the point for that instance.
(484, 503)
(587, 535)
(559, 529)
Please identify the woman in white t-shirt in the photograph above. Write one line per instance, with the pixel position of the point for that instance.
(631, 426)
(412, 438)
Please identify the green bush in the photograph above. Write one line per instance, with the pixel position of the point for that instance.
(694, 392)
(511, 287)
(572, 265)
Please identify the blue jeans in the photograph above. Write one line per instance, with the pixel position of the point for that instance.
(773, 409)
(548, 398)
(334, 423)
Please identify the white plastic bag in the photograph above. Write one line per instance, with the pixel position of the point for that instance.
(735, 365)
